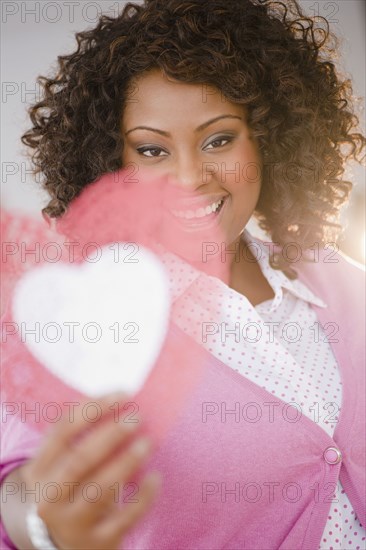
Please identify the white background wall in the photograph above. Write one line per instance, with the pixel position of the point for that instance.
(34, 33)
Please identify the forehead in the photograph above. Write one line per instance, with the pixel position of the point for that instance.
(153, 94)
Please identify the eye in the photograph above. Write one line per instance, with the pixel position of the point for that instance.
(218, 142)
(155, 151)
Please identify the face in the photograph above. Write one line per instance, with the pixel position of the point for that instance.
(192, 138)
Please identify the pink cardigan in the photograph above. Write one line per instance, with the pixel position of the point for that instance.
(231, 484)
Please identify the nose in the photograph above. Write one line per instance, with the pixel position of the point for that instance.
(187, 173)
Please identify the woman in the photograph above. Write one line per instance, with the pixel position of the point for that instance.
(238, 104)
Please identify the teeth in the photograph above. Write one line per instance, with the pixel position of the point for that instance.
(199, 213)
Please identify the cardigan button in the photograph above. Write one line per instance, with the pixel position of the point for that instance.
(332, 455)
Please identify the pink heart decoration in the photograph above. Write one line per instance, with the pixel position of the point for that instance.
(165, 366)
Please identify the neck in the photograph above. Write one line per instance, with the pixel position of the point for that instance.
(246, 276)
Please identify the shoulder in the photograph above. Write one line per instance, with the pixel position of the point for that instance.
(340, 282)
(321, 266)
(333, 271)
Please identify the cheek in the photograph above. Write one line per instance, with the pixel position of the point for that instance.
(244, 192)
(241, 173)
(244, 198)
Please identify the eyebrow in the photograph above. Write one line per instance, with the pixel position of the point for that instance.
(198, 129)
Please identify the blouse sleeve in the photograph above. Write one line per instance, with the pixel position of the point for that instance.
(19, 443)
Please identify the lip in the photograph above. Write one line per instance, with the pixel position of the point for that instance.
(198, 224)
(195, 203)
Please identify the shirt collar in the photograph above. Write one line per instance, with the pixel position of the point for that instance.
(276, 278)
(182, 274)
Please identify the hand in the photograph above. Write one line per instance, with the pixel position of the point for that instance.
(97, 457)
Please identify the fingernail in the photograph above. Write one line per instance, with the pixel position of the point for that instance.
(130, 425)
(141, 446)
(121, 395)
(116, 396)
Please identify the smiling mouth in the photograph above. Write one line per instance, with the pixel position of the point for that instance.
(199, 217)
(199, 213)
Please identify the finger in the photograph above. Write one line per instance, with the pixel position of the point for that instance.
(71, 425)
(90, 508)
(88, 455)
(117, 524)
(114, 475)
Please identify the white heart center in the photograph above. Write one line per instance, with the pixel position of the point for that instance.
(97, 326)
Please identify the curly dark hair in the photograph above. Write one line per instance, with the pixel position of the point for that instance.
(267, 56)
